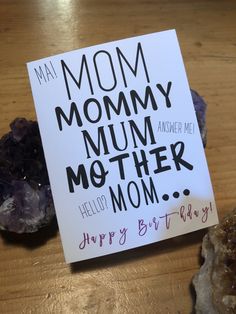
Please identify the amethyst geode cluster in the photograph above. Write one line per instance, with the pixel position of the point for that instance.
(200, 109)
(25, 195)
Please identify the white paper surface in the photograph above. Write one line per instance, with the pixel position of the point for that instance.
(121, 114)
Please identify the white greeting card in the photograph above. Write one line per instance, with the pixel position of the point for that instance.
(124, 154)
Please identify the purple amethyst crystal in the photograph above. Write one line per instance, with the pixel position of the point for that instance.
(200, 109)
(25, 195)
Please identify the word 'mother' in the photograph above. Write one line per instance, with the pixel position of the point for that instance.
(96, 174)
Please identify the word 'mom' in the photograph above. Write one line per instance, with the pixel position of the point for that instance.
(107, 104)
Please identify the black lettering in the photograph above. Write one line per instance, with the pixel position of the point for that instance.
(100, 175)
(101, 142)
(95, 102)
(118, 201)
(73, 111)
(177, 157)
(83, 67)
(149, 192)
(148, 131)
(148, 95)
(120, 159)
(143, 163)
(97, 72)
(159, 159)
(113, 137)
(131, 198)
(122, 103)
(73, 178)
(135, 69)
(165, 93)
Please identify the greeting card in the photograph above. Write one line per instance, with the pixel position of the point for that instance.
(124, 154)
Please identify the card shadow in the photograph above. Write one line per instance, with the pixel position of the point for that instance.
(147, 251)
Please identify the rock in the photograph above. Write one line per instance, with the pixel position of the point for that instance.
(200, 109)
(25, 195)
(215, 283)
